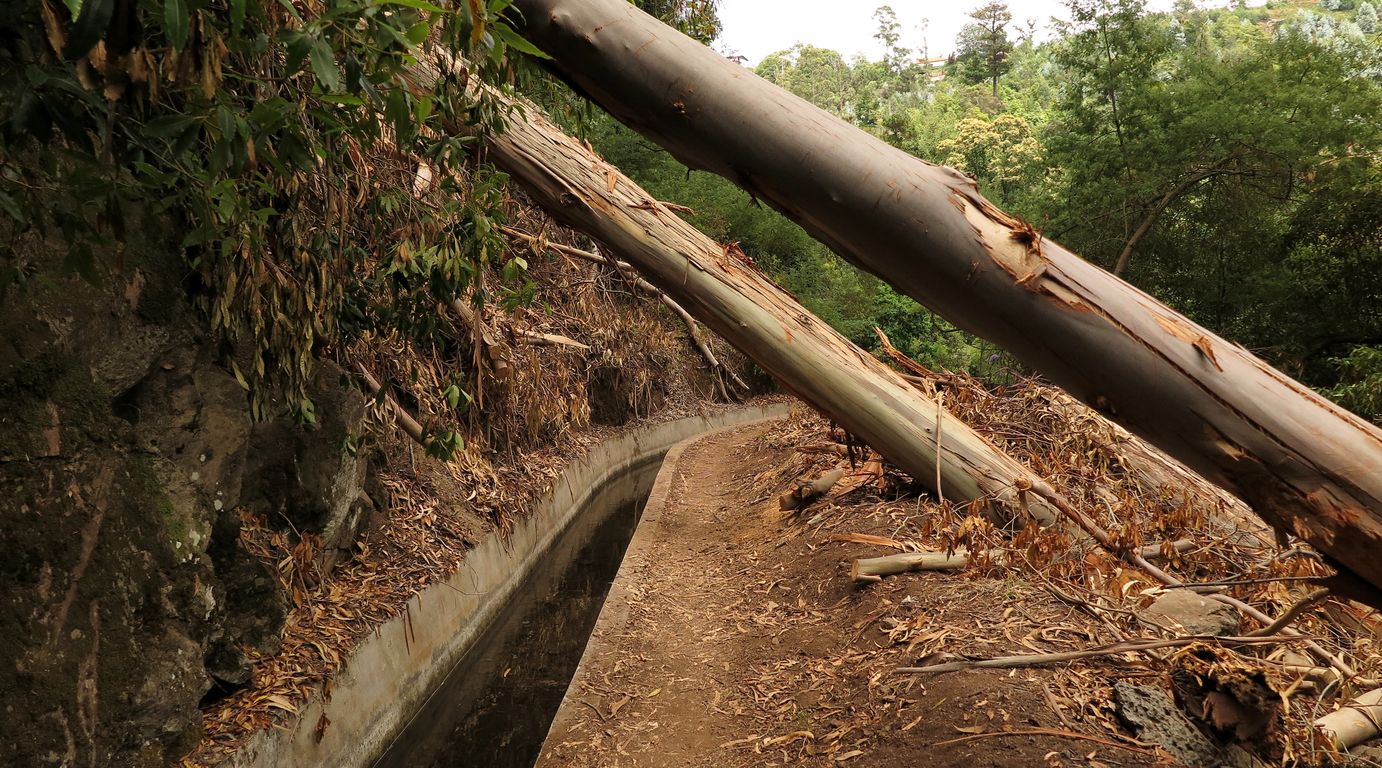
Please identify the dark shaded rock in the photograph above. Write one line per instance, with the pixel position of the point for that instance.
(1198, 615)
(310, 476)
(256, 606)
(194, 415)
(228, 664)
(379, 494)
(122, 440)
(99, 614)
(1152, 716)
(350, 529)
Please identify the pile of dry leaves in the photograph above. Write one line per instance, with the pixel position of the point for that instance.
(1083, 608)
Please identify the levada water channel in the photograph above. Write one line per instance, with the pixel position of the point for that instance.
(495, 705)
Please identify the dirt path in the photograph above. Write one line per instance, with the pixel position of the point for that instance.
(740, 642)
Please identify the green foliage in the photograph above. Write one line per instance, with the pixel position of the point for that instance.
(1002, 153)
(819, 75)
(983, 52)
(1366, 18)
(278, 141)
(1360, 385)
(1249, 156)
(896, 57)
(697, 18)
(922, 335)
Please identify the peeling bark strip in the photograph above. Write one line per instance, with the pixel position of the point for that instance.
(730, 295)
(1306, 466)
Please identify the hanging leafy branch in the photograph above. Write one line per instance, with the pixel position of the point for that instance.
(281, 142)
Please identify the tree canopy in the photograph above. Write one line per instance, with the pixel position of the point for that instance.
(983, 52)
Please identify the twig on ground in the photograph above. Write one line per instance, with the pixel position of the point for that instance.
(1292, 613)
(1048, 732)
(1128, 646)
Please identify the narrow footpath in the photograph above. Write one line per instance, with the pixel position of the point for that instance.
(733, 637)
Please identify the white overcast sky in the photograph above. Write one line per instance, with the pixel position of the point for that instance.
(756, 28)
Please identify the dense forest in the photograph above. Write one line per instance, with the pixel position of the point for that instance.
(302, 302)
(1224, 160)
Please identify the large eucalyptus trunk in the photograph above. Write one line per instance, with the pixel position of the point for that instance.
(727, 293)
(1305, 465)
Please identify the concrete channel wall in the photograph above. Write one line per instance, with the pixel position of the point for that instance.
(391, 673)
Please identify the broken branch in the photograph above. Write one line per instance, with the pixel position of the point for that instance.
(869, 569)
(805, 493)
(1112, 649)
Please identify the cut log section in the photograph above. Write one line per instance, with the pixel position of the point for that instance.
(875, 568)
(805, 493)
(1308, 467)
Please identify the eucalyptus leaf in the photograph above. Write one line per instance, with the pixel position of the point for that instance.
(175, 23)
(516, 41)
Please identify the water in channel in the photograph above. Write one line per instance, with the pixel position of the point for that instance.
(494, 708)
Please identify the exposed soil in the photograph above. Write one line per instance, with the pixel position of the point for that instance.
(746, 643)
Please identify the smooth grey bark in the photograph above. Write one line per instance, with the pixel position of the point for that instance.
(1308, 467)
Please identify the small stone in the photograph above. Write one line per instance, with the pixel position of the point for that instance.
(1196, 614)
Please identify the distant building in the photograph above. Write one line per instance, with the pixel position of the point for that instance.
(935, 67)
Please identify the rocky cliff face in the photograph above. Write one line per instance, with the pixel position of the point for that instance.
(125, 597)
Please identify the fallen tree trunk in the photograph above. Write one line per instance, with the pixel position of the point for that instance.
(732, 297)
(1226, 515)
(1306, 466)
